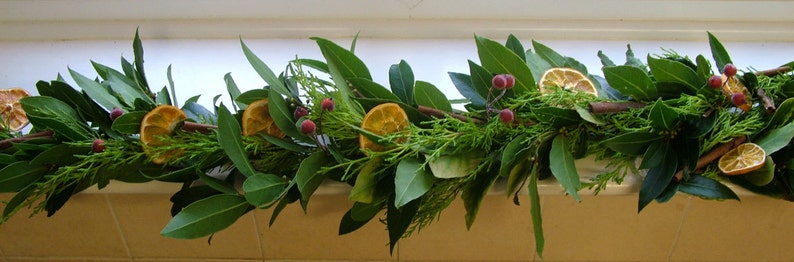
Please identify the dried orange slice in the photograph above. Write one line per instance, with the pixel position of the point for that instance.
(732, 85)
(383, 119)
(160, 122)
(256, 118)
(14, 118)
(742, 159)
(565, 79)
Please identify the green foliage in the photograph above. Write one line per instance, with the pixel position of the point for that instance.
(206, 216)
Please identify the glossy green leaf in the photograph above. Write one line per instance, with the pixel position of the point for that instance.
(777, 138)
(163, 97)
(497, 58)
(363, 190)
(426, 94)
(557, 117)
(537, 64)
(552, 57)
(663, 117)
(657, 179)
(264, 71)
(97, 92)
(481, 80)
(61, 155)
(535, 212)
(371, 89)
(706, 188)
(563, 167)
(234, 91)
(465, 87)
(783, 115)
(285, 143)
(15, 203)
(19, 175)
(634, 143)
(283, 117)
(515, 45)
(231, 140)
(703, 67)
(206, 216)
(199, 113)
(129, 123)
(721, 56)
(263, 189)
(290, 196)
(665, 70)
(632, 60)
(80, 102)
(121, 84)
(514, 152)
(474, 194)
(312, 63)
(358, 216)
(455, 166)
(252, 95)
(589, 117)
(631, 81)
(49, 113)
(309, 177)
(398, 220)
(218, 184)
(411, 181)
(401, 79)
(654, 155)
(137, 49)
(349, 65)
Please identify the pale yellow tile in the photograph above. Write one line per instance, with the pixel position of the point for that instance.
(608, 228)
(755, 229)
(74, 259)
(501, 232)
(143, 216)
(84, 227)
(194, 260)
(314, 235)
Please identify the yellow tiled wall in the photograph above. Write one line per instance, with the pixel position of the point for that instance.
(125, 227)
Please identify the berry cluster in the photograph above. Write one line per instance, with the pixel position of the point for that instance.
(502, 82)
(716, 82)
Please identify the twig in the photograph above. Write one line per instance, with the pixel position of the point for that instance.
(610, 107)
(6, 143)
(769, 105)
(712, 155)
(196, 127)
(774, 71)
(438, 113)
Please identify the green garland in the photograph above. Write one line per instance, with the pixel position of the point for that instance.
(661, 117)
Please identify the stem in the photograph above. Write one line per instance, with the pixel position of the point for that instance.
(610, 107)
(196, 127)
(6, 143)
(774, 71)
(769, 105)
(712, 155)
(438, 113)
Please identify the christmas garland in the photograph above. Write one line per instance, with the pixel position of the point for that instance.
(529, 115)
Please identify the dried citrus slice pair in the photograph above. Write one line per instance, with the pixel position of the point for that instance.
(14, 118)
(160, 122)
(256, 119)
(565, 79)
(742, 159)
(383, 119)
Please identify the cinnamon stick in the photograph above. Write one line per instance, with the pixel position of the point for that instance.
(6, 143)
(712, 155)
(197, 127)
(610, 107)
(429, 111)
(769, 105)
(774, 71)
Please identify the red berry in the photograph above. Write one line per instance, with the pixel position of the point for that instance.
(308, 127)
(300, 112)
(738, 99)
(328, 104)
(115, 113)
(729, 70)
(506, 115)
(715, 81)
(98, 146)
(499, 82)
(510, 81)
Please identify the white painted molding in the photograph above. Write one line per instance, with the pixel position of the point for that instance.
(676, 20)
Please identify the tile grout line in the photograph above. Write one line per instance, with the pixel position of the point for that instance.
(680, 227)
(118, 227)
(258, 236)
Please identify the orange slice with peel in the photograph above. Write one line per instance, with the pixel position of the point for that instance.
(732, 85)
(256, 119)
(383, 119)
(158, 123)
(14, 118)
(565, 79)
(742, 159)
